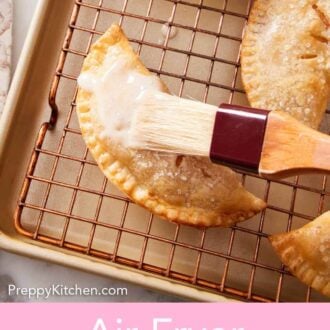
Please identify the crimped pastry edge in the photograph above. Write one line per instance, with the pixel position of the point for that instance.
(118, 173)
(291, 256)
(257, 18)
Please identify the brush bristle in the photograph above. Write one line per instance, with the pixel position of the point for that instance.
(169, 123)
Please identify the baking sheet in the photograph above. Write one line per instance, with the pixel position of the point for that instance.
(228, 253)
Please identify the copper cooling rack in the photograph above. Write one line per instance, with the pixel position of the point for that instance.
(65, 200)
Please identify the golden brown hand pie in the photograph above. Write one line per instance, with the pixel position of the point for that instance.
(286, 57)
(187, 190)
(306, 252)
(286, 66)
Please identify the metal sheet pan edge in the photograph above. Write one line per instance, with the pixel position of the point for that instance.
(36, 250)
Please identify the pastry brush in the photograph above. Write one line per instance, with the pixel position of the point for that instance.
(273, 144)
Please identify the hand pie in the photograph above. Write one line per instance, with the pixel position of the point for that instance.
(187, 190)
(306, 252)
(286, 57)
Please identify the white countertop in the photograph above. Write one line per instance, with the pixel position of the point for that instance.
(25, 272)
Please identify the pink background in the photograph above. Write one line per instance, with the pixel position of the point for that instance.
(184, 316)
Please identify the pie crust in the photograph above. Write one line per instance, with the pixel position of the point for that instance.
(188, 190)
(286, 57)
(306, 252)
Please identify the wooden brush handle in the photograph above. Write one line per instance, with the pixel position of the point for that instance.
(291, 148)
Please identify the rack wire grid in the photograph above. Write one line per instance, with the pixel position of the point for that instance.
(67, 202)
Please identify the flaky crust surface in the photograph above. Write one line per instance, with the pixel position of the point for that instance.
(306, 252)
(286, 57)
(187, 190)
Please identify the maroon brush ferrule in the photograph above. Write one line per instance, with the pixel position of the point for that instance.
(238, 136)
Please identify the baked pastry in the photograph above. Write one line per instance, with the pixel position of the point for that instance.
(306, 252)
(286, 57)
(187, 190)
(285, 61)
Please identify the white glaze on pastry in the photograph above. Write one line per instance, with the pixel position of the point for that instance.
(189, 190)
(117, 93)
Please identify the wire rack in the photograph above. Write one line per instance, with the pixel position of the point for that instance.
(67, 202)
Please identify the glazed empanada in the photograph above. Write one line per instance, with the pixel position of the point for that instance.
(187, 190)
(306, 252)
(286, 57)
